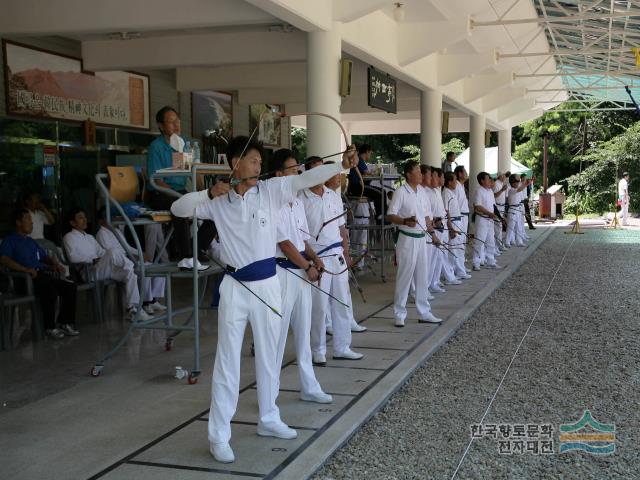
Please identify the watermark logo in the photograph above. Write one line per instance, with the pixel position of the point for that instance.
(588, 435)
(517, 439)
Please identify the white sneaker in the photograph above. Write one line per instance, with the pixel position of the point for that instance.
(69, 330)
(464, 276)
(149, 309)
(187, 264)
(493, 266)
(278, 430)
(467, 270)
(476, 268)
(56, 333)
(453, 282)
(158, 307)
(318, 360)
(355, 327)
(222, 452)
(437, 289)
(430, 297)
(399, 322)
(430, 318)
(142, 316)
(348, 354)
(319, 397)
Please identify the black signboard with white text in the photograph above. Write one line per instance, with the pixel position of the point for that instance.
(382, 90)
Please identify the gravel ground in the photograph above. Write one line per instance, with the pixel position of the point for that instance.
(581, 352)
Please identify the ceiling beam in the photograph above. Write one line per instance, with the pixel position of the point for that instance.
(74, 17)
(417, 40)
(554, 19)
(187, 50)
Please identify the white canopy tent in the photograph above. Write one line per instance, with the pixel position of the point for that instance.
(491, 162)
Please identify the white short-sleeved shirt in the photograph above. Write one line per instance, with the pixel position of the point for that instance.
(107, 238)
(484, 197)
(500, 199)
(463, 202)
(426, 199)
(409, 203)
(247, 225)
(623, 187)
(450, 200)
(319, 209)
(437, 205)
(39, 220)
(513, 196)
(82, 247)
(292, 226)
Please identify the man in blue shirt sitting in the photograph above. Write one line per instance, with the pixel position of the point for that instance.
(21, 253)
(159, 157)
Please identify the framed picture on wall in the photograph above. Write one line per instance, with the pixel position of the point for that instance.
(44, 84)
(211, 110)
(270, 129)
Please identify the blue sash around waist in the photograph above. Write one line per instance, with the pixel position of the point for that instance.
(330, 247)
(286, 263)
(260, 270)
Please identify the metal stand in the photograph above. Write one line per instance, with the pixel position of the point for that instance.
(168, 271)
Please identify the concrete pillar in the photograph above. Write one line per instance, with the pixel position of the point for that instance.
(504, 150)
(430, 127)
(324, 50)
(476, 155)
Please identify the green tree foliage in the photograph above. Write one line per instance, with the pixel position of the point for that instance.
(567, 140)
(595, 188)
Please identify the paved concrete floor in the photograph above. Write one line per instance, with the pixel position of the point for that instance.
(137, 421)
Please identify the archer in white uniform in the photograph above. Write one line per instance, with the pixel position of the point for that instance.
(499, 192)
(298, 267)
(443, 267)
(454, 226)
(623, 197)
(515, 214)
(246, 217)
(329, 238)
(483, 203)
(410, 211)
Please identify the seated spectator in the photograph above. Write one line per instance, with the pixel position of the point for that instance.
(113, 239)
(103, 264)
(21, 253)
(40, 215)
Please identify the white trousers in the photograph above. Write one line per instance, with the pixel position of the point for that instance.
(153, 240)
(238, 307)
(624, 211)
(296, 311)
(413, 265)
(498, 234)
(360, 238)
(515, 227)
(153, 287)
(116, 266)
(457, 249)
(338, 286)
(484, 244)
(446, 267)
